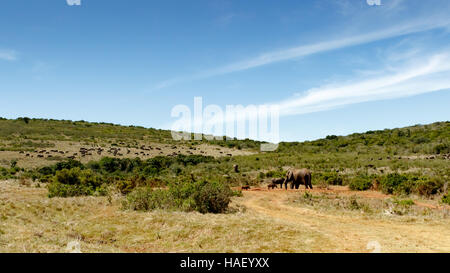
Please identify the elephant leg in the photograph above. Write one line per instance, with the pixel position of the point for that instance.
(292, 185)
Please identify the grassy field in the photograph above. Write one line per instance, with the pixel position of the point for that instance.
(261, 221)
(388, 187)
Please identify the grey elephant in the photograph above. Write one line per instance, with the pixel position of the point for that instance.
(297, 177)
(278, 181)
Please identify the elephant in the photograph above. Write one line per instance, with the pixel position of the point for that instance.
(278, 181)
(297, 177)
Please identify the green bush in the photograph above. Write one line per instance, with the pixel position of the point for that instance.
(145, 199)
(75, 182)
(446, 198)
(275, 174)
(407, 184)
(211, 197)
(332, 178)
(441, 148)
(68, 164)
(201, 196)
(404, 203)
(391, 183)
(128, 185)
(51, 170)
(429, 186)
(360, 183)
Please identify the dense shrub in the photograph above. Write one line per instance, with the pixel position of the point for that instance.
(441, 148)
(392, 182)
(68, 164)
(404, 203)
(128, 185)
(8, 173)
(407, 184)
(211, 197)
(146, 198)
(75, 182)
(201, 196)
(112, 165)
(51, 170)
(275, 174)
(332, 178)
(429, 186)
(150, 167)
(361, 183)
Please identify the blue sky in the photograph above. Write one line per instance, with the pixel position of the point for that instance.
(333, 67)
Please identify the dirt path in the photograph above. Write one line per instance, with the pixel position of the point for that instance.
(349, 233)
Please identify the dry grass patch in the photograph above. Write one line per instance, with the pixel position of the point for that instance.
(30, 222)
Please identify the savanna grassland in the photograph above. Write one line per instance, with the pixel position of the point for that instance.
(114, 188)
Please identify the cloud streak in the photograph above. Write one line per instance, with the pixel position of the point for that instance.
(432, 74)
(8, 55)
(419, 77)
(306, 50)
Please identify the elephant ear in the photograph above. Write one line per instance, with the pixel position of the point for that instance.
(289, 175)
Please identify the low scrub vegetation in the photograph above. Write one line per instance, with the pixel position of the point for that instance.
(141, 182)
(407, 184)
(75, 182)
(361, 183)
(401, 161)
(201, 196)
(446, 198)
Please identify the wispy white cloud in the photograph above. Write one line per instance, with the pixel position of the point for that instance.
(8, 55)
(432, 74)
(306, 50)
(425, 75)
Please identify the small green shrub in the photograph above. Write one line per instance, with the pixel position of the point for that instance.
(212, 197)
(441, 148)
(51, 170)
(75, 182)
(360, 183)
(332, 178)
(407, 184)
(446, 198)
(145, 199)
(307, 196)
(429, 186)
(201, 196)
(261, 175)
(404, 203)
(391, 183)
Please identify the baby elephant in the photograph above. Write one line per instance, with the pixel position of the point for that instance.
(278, 181)
(272, 186)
